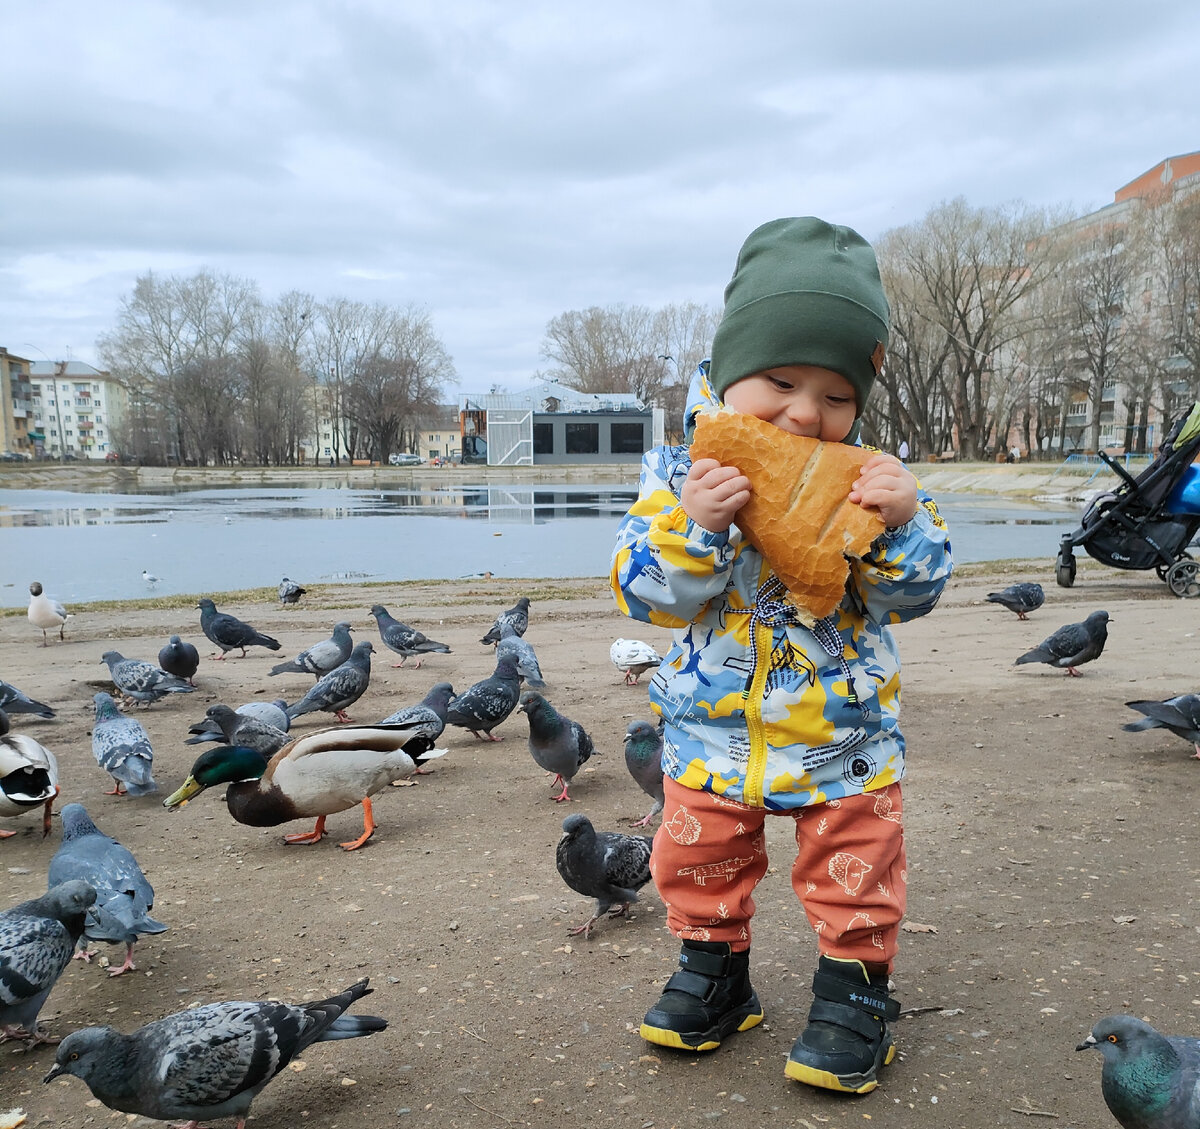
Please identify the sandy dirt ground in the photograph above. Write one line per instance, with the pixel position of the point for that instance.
(1051, 860)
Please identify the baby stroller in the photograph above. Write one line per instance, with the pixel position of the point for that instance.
(1148, 521)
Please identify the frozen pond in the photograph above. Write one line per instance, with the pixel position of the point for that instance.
(84, 546)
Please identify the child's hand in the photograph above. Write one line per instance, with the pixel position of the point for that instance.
(885, 484)
(713, 493)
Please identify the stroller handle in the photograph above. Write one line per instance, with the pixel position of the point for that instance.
(1121, 471)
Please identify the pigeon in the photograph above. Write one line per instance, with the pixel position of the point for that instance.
(36, 940)
(122, 748)
(428, 717)
(28, 776)
(404, 640)
(180, 659)
(326, 772)
(227, 631)
(523, 655)
(557, 743)
(269, 713)
(149, 578)
(341, 687)
(46, 613)
(209, 1061)
(12, 701)
(1019, 598)
(517, 617)
(604, 865)
(241, 729)
(1071, 646)
(643, 758)
(321, 657)
(290, 592)
(483, 706)
(1149, 1081)
(1181, 715)
(124, 898)
(141, 681)
(633, 657)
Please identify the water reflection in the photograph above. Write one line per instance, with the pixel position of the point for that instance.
(95, 546)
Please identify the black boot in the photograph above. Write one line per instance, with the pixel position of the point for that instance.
(847, 1038)
(708, 998)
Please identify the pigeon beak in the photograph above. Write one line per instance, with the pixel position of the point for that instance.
(1087, 1044)
(53, 1073)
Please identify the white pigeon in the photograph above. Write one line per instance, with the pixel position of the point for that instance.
(633, 657)
(45, 612)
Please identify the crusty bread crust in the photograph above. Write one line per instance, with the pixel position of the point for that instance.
(799, 514)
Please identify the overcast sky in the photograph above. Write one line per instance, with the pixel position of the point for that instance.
(497, 164)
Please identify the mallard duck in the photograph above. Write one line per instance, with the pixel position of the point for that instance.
(317, 775)
(28, 776)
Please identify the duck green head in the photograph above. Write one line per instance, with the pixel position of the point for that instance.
(223, 765)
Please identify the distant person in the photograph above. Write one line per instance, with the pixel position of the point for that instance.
(903, 450)
(1014, 455)
(765, 715)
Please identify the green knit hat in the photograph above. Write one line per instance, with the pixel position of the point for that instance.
(804, 292)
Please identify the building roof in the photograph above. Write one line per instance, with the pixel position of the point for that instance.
(68, 369)
(1156, 179)
(537, 396)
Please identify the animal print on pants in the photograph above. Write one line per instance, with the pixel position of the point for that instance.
(849, 873)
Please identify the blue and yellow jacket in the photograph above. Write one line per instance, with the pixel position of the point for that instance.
(757, 706)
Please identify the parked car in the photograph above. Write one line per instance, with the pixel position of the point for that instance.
(13, 457)
(399, 459)
(112, 457)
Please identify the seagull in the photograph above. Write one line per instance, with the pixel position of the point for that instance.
(149, 578)
(209, 1061)
(605, 865)
(46, 613)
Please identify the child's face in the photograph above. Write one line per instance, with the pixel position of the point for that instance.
(800, 399)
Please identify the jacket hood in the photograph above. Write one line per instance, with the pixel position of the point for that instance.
(700, 396)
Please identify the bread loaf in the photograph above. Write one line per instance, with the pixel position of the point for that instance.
(799, 515)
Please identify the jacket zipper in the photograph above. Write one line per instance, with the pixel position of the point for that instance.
(756, 766)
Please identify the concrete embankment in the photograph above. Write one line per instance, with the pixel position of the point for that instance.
(1021, 480)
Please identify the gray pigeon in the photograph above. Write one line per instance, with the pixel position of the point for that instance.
(428, 717)
(604, 865)
(122, 748)
(12, 701)
(207, 1062)
(404, 640)
(517, 617)
(36, 941)
(321, 657)
(1181, 715)
(239, 729)
(140, 681)
(124, 898)
(180, 659)
(1072, 645)
(28, 776)
(269, 713)
(1149, 1081)
(522, 653)
(1019, 598)
(290, 592)
(340, 688)
(557, 743)
(227, 631)
(483, 706)
(643, 758)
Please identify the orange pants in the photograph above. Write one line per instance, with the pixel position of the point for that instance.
(849, 873)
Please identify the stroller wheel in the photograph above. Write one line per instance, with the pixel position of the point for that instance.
(1064, 571)
(1183, 578)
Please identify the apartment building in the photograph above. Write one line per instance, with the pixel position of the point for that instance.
(77, 410)
(15, 405)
